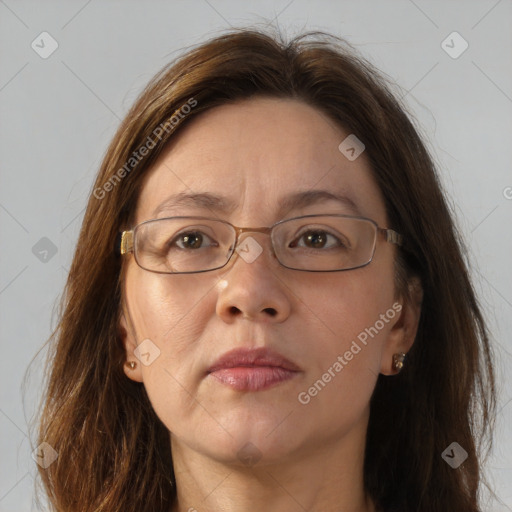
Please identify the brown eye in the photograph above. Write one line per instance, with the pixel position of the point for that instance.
(192, 240)
(317, 239)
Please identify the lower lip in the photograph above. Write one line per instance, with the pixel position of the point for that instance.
(252, 378)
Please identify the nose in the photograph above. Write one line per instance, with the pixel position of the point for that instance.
(255, 286)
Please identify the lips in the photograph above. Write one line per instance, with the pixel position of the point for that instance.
(253, 357)
(253, 369)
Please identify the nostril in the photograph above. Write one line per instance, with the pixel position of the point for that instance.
(233, 310)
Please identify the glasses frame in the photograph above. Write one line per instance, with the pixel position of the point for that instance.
(125, 243)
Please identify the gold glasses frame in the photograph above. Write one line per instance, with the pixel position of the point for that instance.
(125, 243)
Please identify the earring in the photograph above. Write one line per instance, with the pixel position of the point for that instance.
(398, 361)
(132, 364)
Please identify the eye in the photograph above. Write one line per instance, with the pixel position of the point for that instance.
(317, 239)
(191, 240)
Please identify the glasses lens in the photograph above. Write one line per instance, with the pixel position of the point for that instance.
(183, 244)
(314, 243)
(325, 243)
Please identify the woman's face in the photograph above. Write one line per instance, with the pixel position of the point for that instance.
(255, 154)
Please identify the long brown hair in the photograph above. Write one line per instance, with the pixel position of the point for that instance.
(113, 451)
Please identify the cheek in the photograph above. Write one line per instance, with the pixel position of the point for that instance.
(343, 306)
(166, 309)
(349, 319)
(170, 312)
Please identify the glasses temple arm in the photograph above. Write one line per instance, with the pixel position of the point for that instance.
(392, 236)
(124, 242)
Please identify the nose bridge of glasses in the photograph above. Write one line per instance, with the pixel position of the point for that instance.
(241, 231)
(263, 229)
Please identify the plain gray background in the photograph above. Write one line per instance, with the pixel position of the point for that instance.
(58, 114)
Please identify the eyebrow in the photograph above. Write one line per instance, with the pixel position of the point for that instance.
(220, 204)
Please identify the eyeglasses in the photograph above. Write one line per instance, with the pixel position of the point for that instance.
(311, 243)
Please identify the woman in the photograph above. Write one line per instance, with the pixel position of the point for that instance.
(331, 355)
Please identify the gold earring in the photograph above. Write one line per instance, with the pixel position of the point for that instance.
(132, 364)
(398, 361)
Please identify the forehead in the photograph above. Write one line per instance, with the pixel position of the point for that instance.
(255, 155)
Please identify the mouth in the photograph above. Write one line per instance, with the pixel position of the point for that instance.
(252, 378)
(253, 369)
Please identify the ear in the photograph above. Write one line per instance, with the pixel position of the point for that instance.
(402, 334)
(126, 335)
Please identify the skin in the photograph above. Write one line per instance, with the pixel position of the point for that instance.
(310, 456)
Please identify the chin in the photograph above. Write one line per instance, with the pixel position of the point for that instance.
(261, 441)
